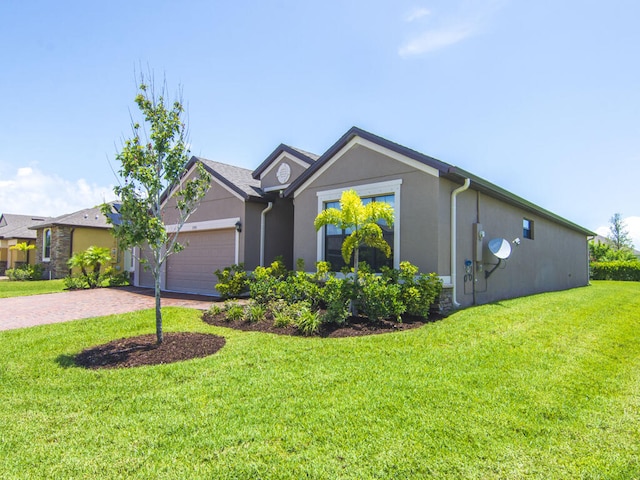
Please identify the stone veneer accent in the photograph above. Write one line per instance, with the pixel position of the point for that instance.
(60, 251)
(444, 303)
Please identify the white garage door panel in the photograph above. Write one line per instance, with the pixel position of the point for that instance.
(205, 252)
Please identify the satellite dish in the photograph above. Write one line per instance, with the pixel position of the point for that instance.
(500, 247)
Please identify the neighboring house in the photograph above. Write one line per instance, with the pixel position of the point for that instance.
(604, 240)
(448, 221)
(58, 239)
(15, 229)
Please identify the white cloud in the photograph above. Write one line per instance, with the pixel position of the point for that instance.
(417, 14)
(465, 19)
(436, 39)
(633, 227)
(31, 191)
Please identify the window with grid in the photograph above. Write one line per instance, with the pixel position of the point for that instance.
(334, 237)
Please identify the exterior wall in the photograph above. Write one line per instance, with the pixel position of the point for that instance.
(14, 258)
(555, 259)
(269, 179)
(418, 205)
(83, 238)
(279, 234)
(250, 235)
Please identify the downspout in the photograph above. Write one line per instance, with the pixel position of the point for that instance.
(454, 243)
(263, 229)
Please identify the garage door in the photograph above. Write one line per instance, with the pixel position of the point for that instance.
(205, 252)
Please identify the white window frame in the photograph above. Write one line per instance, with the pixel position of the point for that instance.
(391, 187)
(44, 244)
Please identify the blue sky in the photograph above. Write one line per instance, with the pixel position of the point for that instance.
(541, 98)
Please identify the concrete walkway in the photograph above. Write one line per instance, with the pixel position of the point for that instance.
(19, 312)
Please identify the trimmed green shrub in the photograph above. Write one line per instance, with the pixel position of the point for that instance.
(379, 299)
(265, 281)
(418, 291)
(232, 281)
(336, 295)
(617, 270)
(75, 283)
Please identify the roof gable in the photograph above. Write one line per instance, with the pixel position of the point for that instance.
(302, 157)
(374, 142)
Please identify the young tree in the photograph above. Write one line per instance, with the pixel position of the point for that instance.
(153, 163)
(618, 233)
(363, 221)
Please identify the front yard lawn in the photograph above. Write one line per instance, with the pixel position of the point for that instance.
(546, 386)
(24, 288)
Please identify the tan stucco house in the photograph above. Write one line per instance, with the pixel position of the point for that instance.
(485, 243)
(59, 238)
(15, 229)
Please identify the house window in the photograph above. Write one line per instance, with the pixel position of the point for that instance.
(46, 245)
(334, 237)
(527, 228)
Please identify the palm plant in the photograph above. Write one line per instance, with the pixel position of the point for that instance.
(89, 262)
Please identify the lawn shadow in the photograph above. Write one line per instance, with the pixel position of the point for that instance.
(66, 360)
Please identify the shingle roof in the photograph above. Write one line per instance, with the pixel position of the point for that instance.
(445, 169)
(17, 226)
(89, 217)
(237, 178)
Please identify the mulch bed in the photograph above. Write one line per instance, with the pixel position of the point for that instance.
(143, 350)
(176, 347)
(353, 327)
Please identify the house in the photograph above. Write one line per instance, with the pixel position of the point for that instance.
(486, 243)
(15, 229)
(58, 239)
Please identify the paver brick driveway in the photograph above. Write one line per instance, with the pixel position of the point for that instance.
(18, 312)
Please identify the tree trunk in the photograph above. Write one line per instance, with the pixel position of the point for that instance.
(352, 306)
(159, 336)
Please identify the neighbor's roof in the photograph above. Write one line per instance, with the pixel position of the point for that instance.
(237, 178)
(89, 217)
(17, 226)
(446, 170)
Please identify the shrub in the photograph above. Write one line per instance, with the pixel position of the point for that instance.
(617, 270)
(299, 287)
(417, 291)
(308, 322)
(75, 283)
(265, 281)
(232, 281)
(25, 272)
(255, 312)
(215, 309)
(234, 311)
(113, 278)
(337, 294)
(286, 314)
(379, 299)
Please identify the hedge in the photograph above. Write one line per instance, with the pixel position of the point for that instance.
(618, 270)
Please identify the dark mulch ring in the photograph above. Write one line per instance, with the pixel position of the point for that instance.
(353, 327)
(144, 350)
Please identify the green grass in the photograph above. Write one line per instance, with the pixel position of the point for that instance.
(541, 387)
(19, 289)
